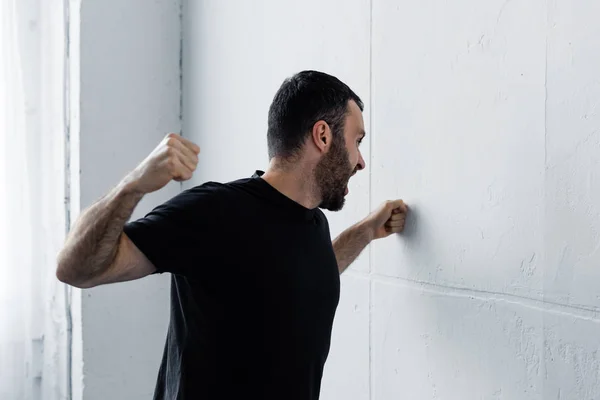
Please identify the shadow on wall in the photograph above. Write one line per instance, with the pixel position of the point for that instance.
(461, 343)
(411, 228)
(466, 342)
(418, 235)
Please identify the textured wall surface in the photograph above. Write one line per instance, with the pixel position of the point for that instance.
(483, 116)
(493, 292)
(130, 98)
(457, 304)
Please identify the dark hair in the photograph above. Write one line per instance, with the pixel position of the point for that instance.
(301, 101)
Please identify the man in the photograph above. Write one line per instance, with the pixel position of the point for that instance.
(255, 276)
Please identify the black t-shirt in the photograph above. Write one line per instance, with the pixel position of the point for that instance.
(254, 290)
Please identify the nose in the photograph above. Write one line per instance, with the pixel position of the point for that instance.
(361, 162)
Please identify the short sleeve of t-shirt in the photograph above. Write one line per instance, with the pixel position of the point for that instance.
(174, 231)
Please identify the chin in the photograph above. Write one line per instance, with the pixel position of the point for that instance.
(334, 204)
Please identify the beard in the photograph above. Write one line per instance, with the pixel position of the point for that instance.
(332, 175)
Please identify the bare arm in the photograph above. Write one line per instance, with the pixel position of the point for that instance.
(350, 243)
(97, 241)
(389, 218)
(96, 250)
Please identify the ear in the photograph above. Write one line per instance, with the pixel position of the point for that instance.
(321, 135)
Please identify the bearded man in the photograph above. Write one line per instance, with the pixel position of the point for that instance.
(254, 272)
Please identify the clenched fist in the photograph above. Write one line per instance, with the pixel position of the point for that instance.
(389, 218)
(175, 158)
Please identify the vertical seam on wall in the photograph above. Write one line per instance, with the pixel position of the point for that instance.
(181, 74)
(67, 194)
(543, 338)
(370, 192)
(546, 94)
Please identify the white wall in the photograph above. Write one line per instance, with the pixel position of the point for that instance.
(483, 116)
(125, 97)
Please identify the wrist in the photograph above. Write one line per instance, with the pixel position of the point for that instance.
(366, 229)
(130, 185)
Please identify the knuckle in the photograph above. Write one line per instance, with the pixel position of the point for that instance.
(172, 164)
(171, 142)
(171, 152)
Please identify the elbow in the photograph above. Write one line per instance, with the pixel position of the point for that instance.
(62, 269)
(68, 275)
(64, 275)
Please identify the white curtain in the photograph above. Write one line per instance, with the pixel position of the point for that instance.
(15, 226)
(34, 324)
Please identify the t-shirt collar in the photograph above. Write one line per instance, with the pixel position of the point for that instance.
(282, 200)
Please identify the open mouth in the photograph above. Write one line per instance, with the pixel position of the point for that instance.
(346, 191)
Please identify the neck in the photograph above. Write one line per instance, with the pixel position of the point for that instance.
(294, 182)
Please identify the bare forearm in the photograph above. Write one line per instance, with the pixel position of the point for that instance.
(350, 243)
(92, 243)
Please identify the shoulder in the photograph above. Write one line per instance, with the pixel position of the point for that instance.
(221, 191)
(320, 215)
(206, 192)
(322, 219)
(208, 200)
(211, 192)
